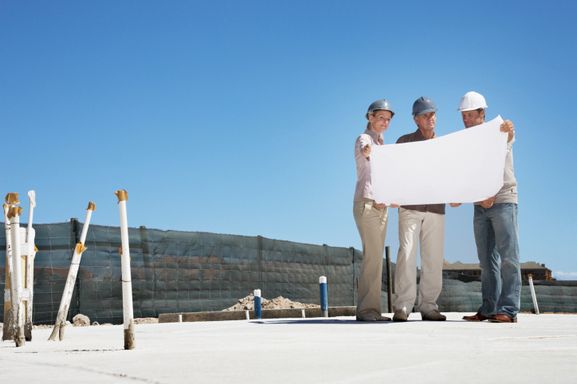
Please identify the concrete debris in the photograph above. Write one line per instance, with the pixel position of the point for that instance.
(279, 302)
(146, 320)
(81, 320)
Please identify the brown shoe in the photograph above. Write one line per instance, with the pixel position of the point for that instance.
(477, 317)
(503, 318)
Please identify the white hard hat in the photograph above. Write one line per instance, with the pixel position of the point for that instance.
(471, 101)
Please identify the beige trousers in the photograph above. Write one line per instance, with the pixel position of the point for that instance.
(428, 229)
(372, 226)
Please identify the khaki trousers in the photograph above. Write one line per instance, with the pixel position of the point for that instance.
(372, 225)
(428, 229)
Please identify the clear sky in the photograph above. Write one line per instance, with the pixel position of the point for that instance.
(240, 116)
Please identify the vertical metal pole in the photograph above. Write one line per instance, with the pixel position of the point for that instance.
(324, 296)
(122, 196)
(533, 295)
(257, 304)
(389, 279)
(355, 283)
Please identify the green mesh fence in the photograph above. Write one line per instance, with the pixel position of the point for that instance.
(174, 271)
(458, 296)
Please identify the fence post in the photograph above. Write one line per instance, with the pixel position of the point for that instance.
(259, 259)
(354, 276)
(389, 280)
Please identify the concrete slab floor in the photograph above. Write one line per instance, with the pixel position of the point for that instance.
(539, 348)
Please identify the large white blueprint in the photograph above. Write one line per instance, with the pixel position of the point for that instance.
(462, 167)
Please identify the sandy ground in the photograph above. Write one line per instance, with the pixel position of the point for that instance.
(540, 348)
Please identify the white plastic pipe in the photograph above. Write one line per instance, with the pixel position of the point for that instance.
(60, 324)
(533, 295)
(128, 316)
(16, 275)
(32, 198)
(8, 329)
(30, 256)
(27, 255)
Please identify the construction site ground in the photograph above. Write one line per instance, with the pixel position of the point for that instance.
(539, 348)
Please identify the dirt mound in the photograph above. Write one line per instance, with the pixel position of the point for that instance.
(247, 304)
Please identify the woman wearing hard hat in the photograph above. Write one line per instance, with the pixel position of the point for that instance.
(370, 217)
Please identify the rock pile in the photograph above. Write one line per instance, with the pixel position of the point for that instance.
(81, 320)
(247, 304)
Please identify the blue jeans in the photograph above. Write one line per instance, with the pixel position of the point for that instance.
(496, 235)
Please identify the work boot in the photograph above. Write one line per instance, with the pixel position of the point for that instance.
(371, 316)
(433, 316)
(400, 315)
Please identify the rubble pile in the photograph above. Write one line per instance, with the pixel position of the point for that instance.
(279, 302)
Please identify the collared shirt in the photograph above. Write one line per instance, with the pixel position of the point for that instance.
(434, 208)
(364, 189)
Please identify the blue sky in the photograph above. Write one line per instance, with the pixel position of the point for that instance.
(240, 117)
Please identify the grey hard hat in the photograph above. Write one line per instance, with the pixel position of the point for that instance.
(380, 105)
(423, 105)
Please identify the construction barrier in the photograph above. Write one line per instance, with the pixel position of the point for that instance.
(183, 272)
(175, 271)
